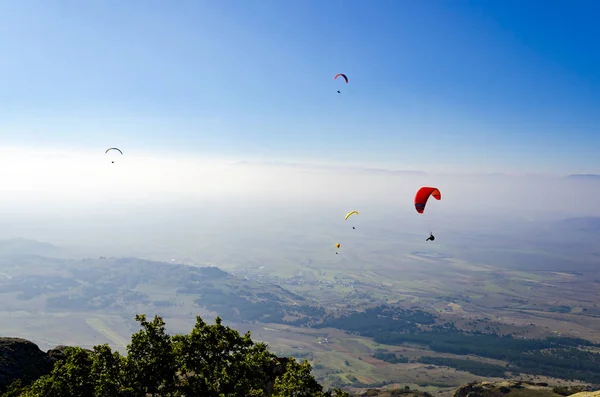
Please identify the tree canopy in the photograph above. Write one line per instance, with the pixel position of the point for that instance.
(212, 361)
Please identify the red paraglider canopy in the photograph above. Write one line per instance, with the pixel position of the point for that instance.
(423, 195)
(343, 75)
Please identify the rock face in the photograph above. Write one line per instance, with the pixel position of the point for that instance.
(58, 353)
(394, 393)
(586, 394)
(21, 359)
(510, 389)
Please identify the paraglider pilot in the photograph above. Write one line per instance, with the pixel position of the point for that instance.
(431, 237)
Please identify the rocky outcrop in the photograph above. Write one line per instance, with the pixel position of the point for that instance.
(406, 392)
(514, 388)
(586, 394)
(59, 352)
(22, 359)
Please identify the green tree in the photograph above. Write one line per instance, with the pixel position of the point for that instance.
(150, 365)
(297, 381)
(217, 361)
(106, 372)
(70, 377)
(212, 361)
(16, 389)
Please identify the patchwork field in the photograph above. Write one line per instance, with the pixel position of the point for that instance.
(92, 301)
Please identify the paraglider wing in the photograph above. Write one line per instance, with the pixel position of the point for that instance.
(350, 213)
(113, 148)
(423, 195)
(343, 75)
(337, 245)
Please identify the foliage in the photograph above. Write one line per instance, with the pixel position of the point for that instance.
(379, 319)
(212, 361)
(568, 390)
(474, 367)
(560, 357)
(16, 389)
(390, 357)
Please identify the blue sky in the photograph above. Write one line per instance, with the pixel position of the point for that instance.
(470, 85)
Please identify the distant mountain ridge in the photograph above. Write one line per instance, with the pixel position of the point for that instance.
(588, 224)
(584, 176)
(22, 246)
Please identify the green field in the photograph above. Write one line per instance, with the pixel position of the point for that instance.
(88, 302)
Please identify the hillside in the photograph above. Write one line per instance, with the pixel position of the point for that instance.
(357, 329)
(490, 389)
(23, 246)
(212, 360)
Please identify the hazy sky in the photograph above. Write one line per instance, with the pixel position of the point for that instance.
(462, 85)
(70, 195)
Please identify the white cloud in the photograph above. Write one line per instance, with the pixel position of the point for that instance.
(72, 193)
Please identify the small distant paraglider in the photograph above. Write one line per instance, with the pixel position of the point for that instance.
(348, 216)
(338, 247)
(113, 148)
(343, 75)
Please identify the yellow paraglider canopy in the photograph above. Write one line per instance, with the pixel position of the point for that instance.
(350, 213)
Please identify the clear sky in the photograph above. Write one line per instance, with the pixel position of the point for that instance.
(465, 85)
